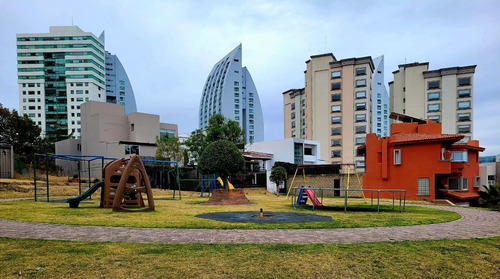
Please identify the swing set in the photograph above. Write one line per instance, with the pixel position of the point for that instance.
(349, 166)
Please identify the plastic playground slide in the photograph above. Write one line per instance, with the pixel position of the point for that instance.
(313, 198)
(228, 183)
(75, 201)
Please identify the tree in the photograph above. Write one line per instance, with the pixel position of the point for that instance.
(23, 134)
(168, 148)
(220, 128)
(278, 175)
(223, 158)
(196, 143)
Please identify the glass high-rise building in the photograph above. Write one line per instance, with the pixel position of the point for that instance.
(380, 100)
(118, 87)
(230, 91)
(57, 72)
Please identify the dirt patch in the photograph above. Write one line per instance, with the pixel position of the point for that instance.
(13, 188)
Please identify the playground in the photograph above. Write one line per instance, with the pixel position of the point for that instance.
(268, 225)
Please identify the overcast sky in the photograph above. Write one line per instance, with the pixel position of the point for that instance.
(169, 47)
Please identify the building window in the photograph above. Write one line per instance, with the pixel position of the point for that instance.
(360, 106)
(360, 140)
(336, 74)
(464, 81)
(132, 127)
(462, 129)
(360, 82)
(335, 119)
(336, 131)
(477, 182)
(459, 156)
(423, 186)
(397, 156)
(433, 84)
(463, 93)
(131, 149)
(463, 117)
(458, 183)
(360, 94)
(433, 96)
(293, 124)
(336, 86)
(336, 154)
(360, 129)
(434, 118)
(336, 108)
(464, 105)
(432, 107)
(336, 142)
(336, 97)
(360, 117)
(360, 164)
(361, 71)
(293, 105)
(293, 115)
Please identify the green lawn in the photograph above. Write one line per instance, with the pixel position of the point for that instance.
(472, 258)
(181, 214)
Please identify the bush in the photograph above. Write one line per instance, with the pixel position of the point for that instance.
(491, 197)
(189, 184)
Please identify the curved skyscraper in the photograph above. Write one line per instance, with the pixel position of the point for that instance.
(230, 91)
(118, 87)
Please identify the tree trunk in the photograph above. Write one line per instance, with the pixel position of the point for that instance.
(224, 180)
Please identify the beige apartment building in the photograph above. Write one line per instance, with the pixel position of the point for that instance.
(443, 95)
(334, 108)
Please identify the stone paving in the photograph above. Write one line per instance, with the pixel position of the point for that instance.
(474, 223)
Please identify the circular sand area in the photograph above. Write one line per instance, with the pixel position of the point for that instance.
(268, 218)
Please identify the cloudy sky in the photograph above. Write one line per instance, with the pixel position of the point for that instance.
(169, 47)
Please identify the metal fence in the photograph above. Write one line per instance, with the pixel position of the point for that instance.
(322, 191)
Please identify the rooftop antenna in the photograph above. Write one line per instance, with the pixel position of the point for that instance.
(72, 21)
(325, 43)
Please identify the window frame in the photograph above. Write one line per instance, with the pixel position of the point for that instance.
(433, 99)
(357, 83)
(397, 157)
(423, 186)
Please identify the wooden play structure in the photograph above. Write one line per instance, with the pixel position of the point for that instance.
(125, 180)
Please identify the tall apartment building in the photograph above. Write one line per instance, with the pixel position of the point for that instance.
(443, 95)
(380, 102)
(57, 72)
(118, 87)
(230, 91)
(334, 108)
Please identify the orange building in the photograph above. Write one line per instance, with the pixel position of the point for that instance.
(429, 165)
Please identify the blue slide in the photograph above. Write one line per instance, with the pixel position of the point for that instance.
(75, 202)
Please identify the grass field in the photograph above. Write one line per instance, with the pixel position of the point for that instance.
(181, 213)
(473, 258)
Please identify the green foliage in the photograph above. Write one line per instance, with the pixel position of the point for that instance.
(168, 148)
(23, 134)
(289, 167)
(189, 184)
(221, 157)
(491, 197)
(278, 175)
(196, 143)
(220, 128)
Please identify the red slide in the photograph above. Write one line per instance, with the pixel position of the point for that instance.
(313, 198)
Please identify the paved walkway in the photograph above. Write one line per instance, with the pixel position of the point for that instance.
(473, 224)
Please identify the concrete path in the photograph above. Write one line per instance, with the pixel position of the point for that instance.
(473, 224)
